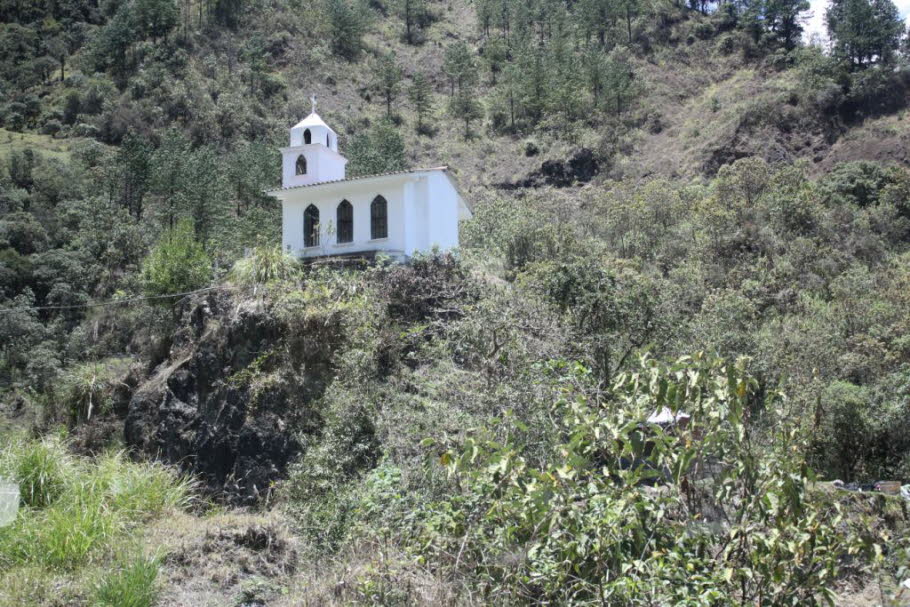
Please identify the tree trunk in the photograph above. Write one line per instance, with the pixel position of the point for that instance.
(629, 22)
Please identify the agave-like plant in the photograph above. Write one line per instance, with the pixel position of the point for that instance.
(264, 265)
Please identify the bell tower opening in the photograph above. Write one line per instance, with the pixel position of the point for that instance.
(304, 163)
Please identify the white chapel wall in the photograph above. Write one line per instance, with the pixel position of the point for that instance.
(327, 203)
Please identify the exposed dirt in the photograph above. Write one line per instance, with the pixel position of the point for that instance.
(225, 559)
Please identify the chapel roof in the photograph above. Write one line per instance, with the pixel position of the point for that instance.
(359, 178)
(310, 121)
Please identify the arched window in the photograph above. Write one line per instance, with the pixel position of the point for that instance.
(379, 218)
(311, 227)
(307, 137)
(301, 165)
(328, 141)
(345, 221)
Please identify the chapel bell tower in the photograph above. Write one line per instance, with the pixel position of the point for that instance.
(313, 154)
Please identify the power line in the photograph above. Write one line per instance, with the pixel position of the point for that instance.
(114, 302)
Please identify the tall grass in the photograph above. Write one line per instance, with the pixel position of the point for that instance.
(94, 502)
(131, 585)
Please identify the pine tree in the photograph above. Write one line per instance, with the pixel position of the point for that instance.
(459, 65)
(495, 55)
(348, 21)
(465, 107)
(388, 80)
(781, 17)
(414, 14)
(596, 18)
(378, 150)
(421, 96)
(620, 78)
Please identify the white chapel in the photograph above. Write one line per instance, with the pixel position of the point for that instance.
(325, 213)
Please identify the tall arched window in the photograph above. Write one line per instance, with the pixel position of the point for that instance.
(307, 137)
(301, 165)
(379, 218)
(328, 141)
(311, 227)
(345, 221)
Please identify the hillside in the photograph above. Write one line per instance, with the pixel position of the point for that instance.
(680, 212)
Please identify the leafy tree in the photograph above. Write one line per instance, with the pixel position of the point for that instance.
(582, 511)
(227, 12)
(110, 47)
(177, 264)
(58, 47)
(378, 150)
(864, 31)
(20, 166)
(421, 96)
(71, 107)
(20, 332)
(348, 22)
(154, 18)
(388, 80)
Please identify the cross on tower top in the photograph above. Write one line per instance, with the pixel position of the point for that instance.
(313, 101)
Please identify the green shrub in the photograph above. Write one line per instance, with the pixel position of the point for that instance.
(177, 264)
(131, 585)
(629, 513)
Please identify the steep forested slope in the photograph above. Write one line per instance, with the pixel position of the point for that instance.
(674, 206)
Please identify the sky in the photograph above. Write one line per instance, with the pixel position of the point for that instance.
(816, 23)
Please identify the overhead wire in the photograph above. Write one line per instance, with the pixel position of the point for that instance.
(114, 302)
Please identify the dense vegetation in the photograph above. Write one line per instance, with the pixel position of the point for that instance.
(676, 205)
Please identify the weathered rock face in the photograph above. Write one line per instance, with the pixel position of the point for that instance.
(201, 409)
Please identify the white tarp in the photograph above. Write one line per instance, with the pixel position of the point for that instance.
(665, 417)
(9, 502)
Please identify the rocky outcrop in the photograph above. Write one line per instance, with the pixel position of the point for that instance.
(218, 406)
(580, 168)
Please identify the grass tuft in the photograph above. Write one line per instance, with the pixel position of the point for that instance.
(40, 468)
(131, 585)
(265, 265)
